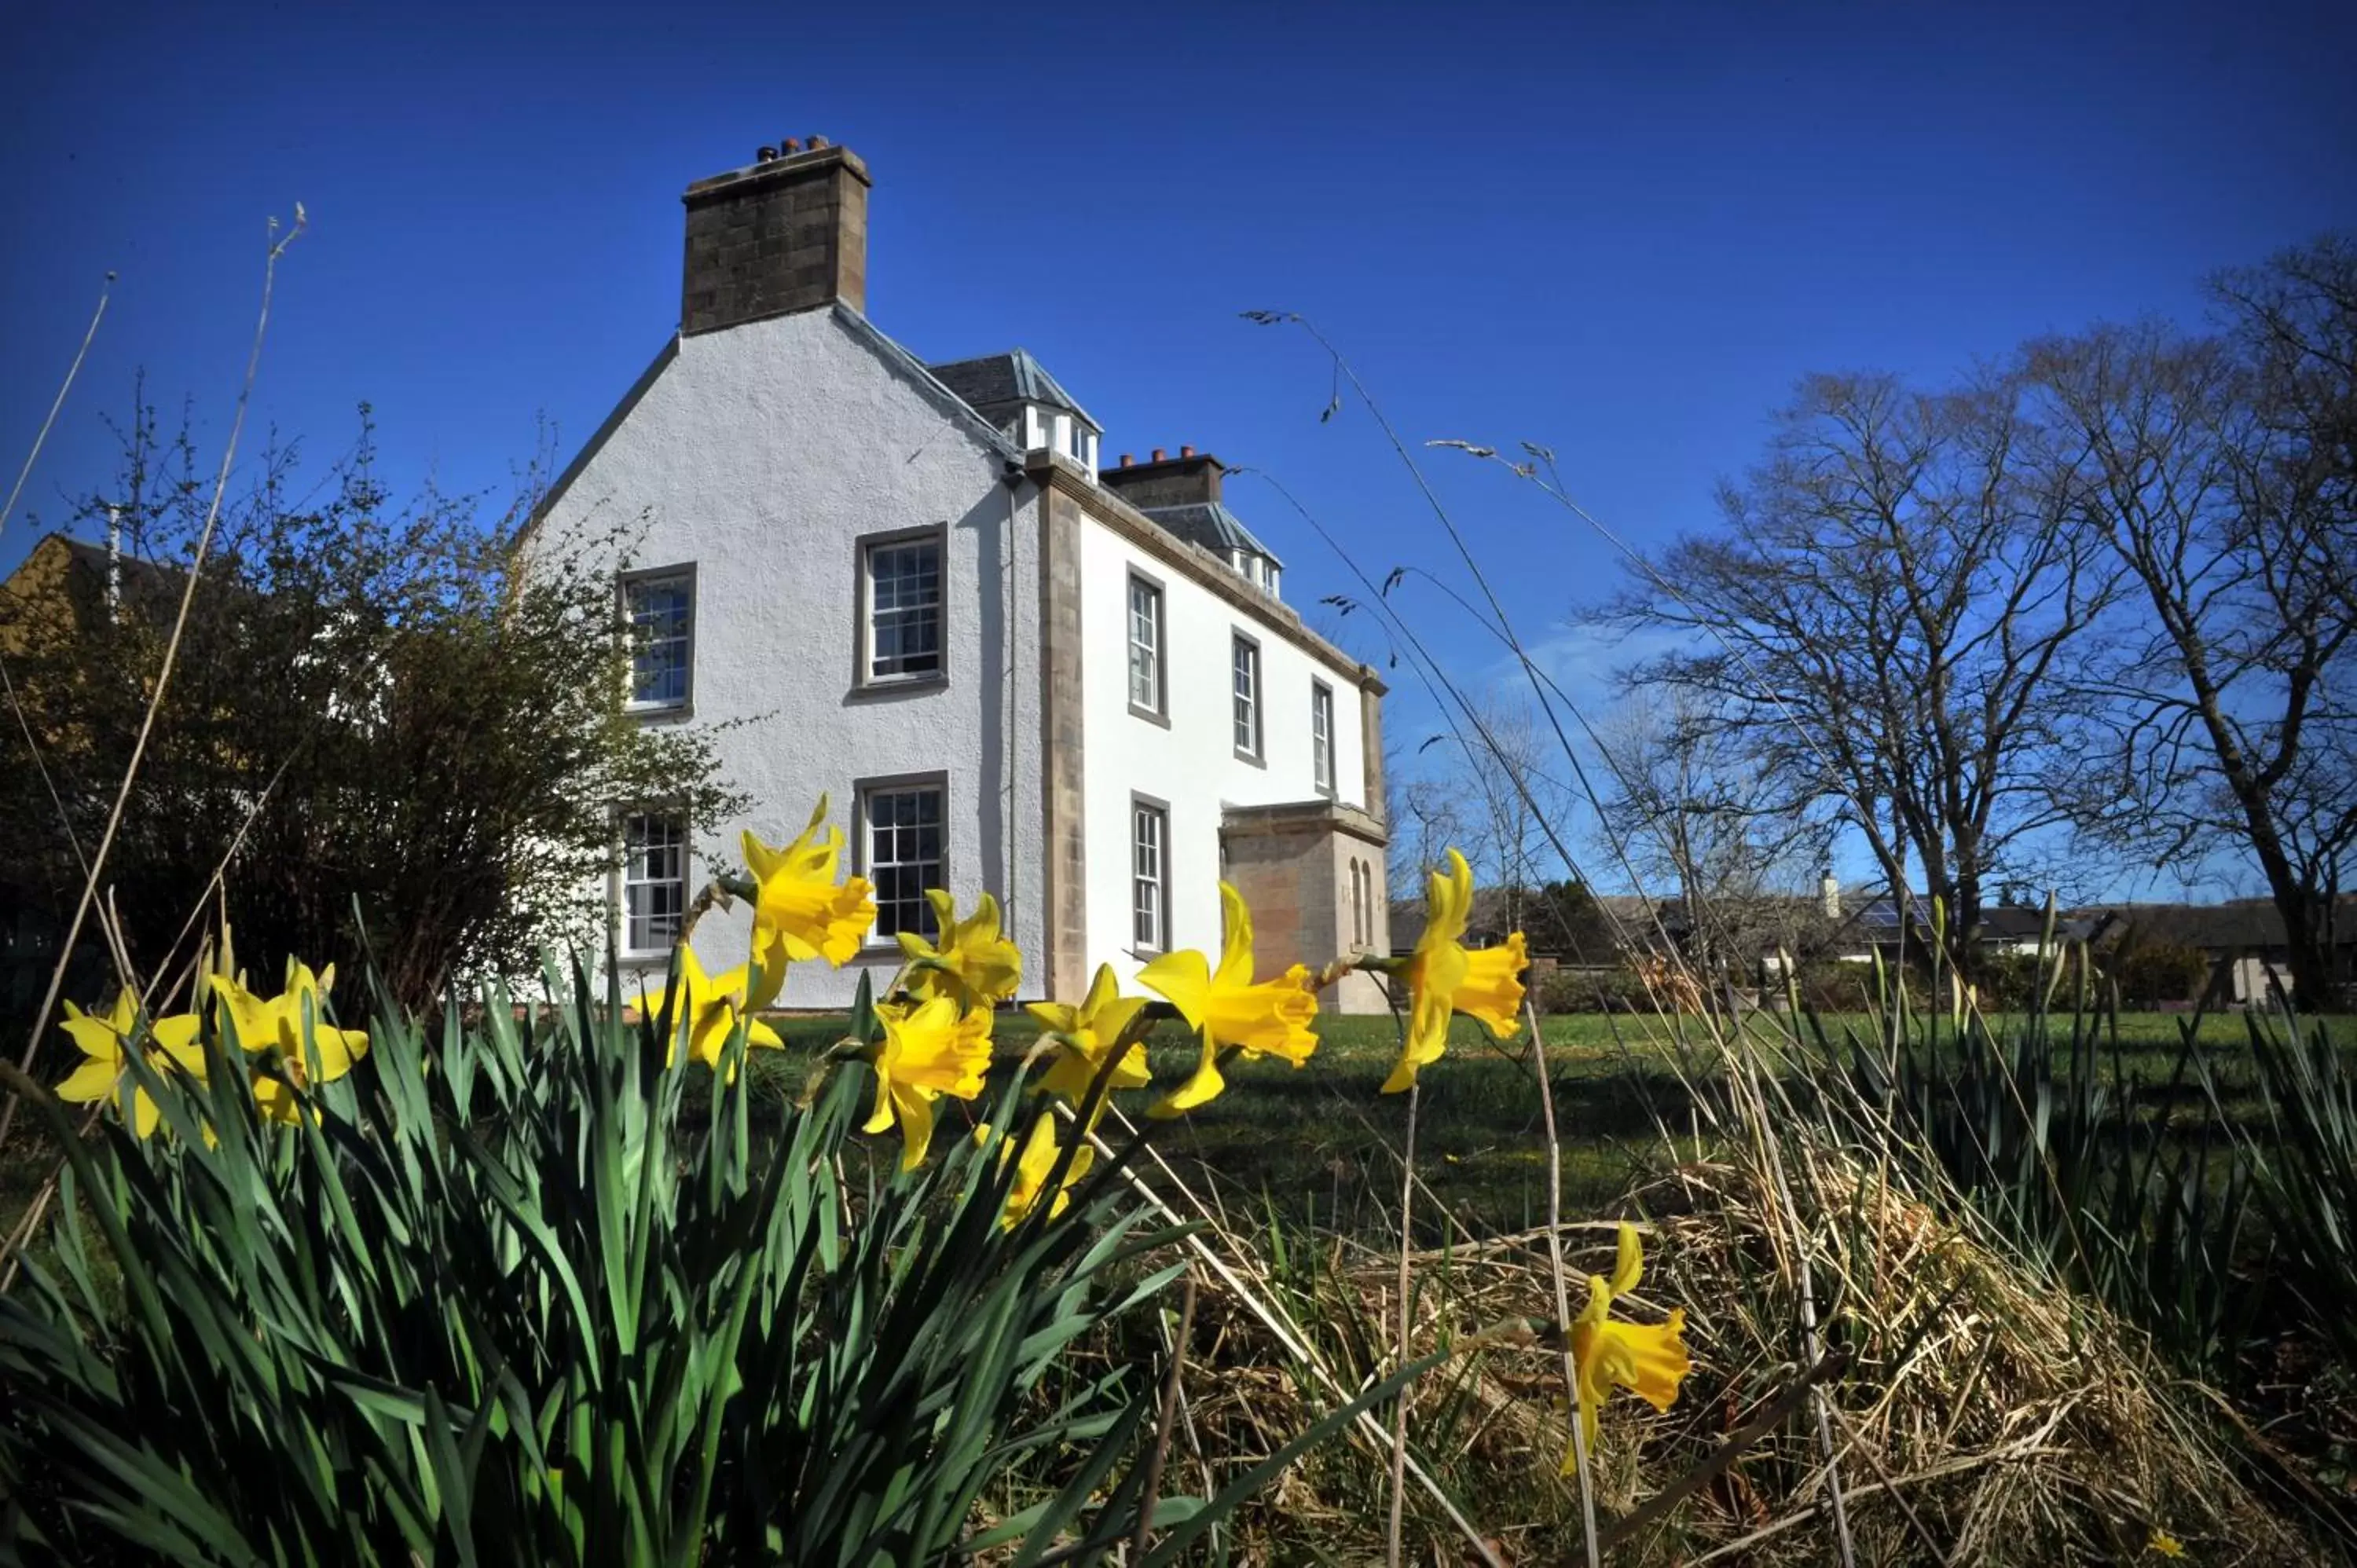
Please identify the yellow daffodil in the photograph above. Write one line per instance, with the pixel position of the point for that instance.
(930, 1048)
(1084, 1033)
(1226, 1008)
(1648, 1359)
(293, 1026)
(709, 1007)
(970, 963)
(1032, 1170)
(105, 1040)
(1444, 977)
(799, 912)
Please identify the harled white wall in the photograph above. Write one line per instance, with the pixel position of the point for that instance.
(762, 454)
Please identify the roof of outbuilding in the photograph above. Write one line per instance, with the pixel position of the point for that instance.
(1001, 381)
(1212, 526)
(2215, 928)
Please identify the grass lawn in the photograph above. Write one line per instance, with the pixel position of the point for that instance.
(1319, 1144)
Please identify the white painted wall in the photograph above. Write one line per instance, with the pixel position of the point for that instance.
(1193, 763)
(761, 453)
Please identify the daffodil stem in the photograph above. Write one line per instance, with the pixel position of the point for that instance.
(1562, 1283)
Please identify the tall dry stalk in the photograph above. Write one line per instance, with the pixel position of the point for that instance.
(278, 247)
(1399, 1414)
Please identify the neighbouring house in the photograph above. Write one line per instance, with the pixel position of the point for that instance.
(915, 586)
(2246, 935)
(1879, 926)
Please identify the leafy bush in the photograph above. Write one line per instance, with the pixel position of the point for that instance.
(1569, 990)
(2159, 972)
(517, 1291)
(1836, 987)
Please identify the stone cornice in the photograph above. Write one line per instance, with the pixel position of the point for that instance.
(1052, 471)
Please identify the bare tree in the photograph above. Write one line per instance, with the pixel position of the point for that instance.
(1890, 625)
(1687, 810)
(1484, 788)
(2218, 470)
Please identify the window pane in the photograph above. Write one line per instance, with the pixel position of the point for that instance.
(654, 882)
(904, 601)
(905, 835)
(659, 609)
(1144, 645)
(1247, 704)
(1321, 737)
(1149, 892)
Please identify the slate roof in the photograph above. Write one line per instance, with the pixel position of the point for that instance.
(2241, 926)
(996, 382)
(1212, 526)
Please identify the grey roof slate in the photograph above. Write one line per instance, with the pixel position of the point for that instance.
(997, 381)
(1212, 526)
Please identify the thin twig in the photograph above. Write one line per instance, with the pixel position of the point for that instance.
(164, 672)
(2029, 1448)
(41, 439)
(1771, 1415)
(1805, 1261)
(1562, 1284)
(1171, 1394)
(1399, 1412)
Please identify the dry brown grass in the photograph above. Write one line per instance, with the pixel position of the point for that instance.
(1984, 1416)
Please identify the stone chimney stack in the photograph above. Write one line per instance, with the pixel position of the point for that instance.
(1829, 893)
(1191, 478)
(788, 232)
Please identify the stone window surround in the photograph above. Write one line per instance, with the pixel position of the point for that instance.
(1161, 809)
(641, 575)
(1321, 706)
(863, 685)
(1161, 713)
(618, 881)
(1240, 641)
(862, 837)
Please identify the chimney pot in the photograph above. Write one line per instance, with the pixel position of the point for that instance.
(1157, 454)
(792, 145)
(817, 142)
(768, 154)
(1185, 451)
(1124, 459)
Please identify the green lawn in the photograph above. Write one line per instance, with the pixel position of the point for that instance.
(1318, 1143)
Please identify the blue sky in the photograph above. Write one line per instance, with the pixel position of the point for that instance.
(1623, 231)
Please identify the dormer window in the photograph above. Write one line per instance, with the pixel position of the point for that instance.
(1256, 569)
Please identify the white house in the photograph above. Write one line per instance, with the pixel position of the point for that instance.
(1012, 668)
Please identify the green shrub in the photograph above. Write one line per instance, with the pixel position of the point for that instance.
(1582, 990)
(522, 1292)
(1836, 987)
(2159, 972)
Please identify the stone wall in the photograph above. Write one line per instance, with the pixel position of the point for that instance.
(786, 235)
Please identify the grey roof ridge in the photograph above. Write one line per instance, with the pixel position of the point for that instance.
(1220, 512)
(894, 353)
(1055, 387)
(1051, 391)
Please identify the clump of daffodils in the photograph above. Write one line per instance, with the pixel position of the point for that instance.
(288, 1041)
